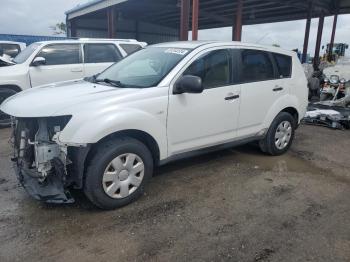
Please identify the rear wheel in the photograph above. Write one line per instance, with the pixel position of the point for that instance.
(280, 135)
(118, 172)
(5, 120)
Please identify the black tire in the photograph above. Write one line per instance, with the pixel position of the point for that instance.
(105, 153)
(5, 120)
(268, 144)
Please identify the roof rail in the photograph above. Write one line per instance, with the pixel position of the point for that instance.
(106, 39)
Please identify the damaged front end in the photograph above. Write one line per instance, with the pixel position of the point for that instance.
(43, 165)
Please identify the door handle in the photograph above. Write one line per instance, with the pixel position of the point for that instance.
(231, 97)
(76, 70)
(277, 88)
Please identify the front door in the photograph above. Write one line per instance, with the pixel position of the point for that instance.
(63, 63)
(210, 118)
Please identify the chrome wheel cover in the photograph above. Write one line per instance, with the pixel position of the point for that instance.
(123, 175)
(283, 135)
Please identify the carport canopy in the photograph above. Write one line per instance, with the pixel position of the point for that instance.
(165, 20)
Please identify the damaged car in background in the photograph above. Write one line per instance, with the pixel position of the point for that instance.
(333, 109)
(105, 134)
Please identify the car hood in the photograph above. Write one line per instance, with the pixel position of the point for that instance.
(56, 99)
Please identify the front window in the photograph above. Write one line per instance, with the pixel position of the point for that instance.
(145, 68)
(61, 54)
(26, 53)
(213, 68)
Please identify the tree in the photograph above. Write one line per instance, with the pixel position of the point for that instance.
(276, 45)
(59, 28)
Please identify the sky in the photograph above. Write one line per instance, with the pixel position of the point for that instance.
(35, 17)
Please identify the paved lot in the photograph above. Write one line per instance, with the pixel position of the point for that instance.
(234, 205)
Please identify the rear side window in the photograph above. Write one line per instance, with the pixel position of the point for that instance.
(284, 65)
(256, 66)
(9, 49)
(130, 48)
(101, 53)
(61, 54)
(213, 68)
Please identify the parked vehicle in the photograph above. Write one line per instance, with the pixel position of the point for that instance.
(47, 62)
(8, 50)
(161, 104)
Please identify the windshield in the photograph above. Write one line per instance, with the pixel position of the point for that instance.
(26, 53)
(145, 68)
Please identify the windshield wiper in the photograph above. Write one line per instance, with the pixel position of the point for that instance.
(109, 81)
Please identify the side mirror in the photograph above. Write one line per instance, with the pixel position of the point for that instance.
(38, 61)
(188, 84)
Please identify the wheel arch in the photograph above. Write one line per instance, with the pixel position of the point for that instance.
(142, 136)
(294, 112)
(12, 87)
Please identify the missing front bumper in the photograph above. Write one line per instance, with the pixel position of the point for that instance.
(51, 190)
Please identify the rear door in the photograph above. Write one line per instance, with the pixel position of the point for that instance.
(261, 86)
(63, 62)
(97, 57)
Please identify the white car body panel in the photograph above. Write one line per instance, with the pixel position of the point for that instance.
(18, 74)
(178, 123)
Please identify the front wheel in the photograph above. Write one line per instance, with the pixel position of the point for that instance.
(5, 120)
(117, 173)
(280, 135)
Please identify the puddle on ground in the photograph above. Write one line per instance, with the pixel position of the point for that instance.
(285, 163)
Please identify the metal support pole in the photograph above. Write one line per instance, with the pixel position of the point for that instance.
(307, 31)
(185, 18)
(195, 14)
(331, 44)
(318, 41)
(237, 31)
(111, 22)
(73, 28)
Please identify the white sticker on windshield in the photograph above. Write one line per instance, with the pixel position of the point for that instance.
(176, 51)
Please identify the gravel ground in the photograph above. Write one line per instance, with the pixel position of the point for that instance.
(233, 205)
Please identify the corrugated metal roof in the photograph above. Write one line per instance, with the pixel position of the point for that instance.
(82, 6)
(212, 13)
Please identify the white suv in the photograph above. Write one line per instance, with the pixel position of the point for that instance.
(163, 103)
(47, 62)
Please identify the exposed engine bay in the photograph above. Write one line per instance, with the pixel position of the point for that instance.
(44, 166)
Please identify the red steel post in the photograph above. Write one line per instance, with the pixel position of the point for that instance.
(195, 14)
(237, 32)
(318, 41)
(307, 31)
(111, 22)
(331, 44)
(185, 18)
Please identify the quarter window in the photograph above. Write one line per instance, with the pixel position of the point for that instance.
(256, 66)
(130, 48)
(61, 54)
(284, 64)
(101, 53)
(213, 68)
(9, 49)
